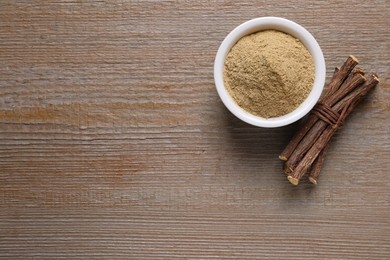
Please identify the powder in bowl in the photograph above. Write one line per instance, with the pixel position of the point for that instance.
(269, 73)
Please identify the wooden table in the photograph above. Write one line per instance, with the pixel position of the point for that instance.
(114, 143)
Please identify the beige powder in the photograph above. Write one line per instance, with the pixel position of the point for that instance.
(269, 73)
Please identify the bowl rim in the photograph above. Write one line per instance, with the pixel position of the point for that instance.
(283, 25)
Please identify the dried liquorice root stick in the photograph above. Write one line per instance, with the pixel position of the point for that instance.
(353, 81)
(325, 137)
(317, 165)
(338, 78)
(359, 92)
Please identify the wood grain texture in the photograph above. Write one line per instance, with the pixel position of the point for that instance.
(114, 143)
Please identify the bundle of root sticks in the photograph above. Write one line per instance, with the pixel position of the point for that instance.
(306, 150)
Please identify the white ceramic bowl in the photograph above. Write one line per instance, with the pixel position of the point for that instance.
(286, 26)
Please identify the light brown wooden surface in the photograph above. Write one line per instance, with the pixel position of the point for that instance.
(114, 143)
